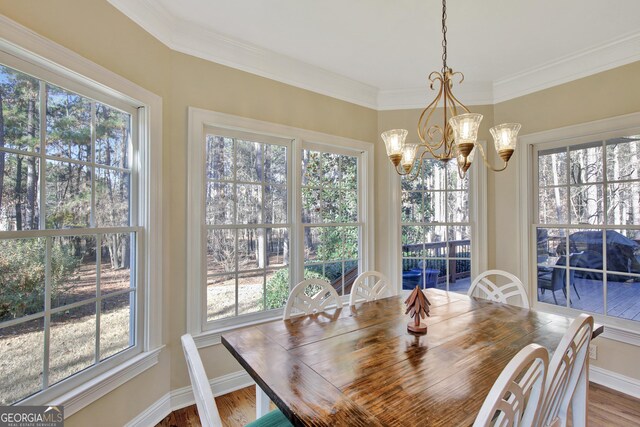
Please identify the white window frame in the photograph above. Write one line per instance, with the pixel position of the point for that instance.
(477, 220)
(26, 51)
(204, 333)
(618, 329)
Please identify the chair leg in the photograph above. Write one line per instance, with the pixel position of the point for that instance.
(579, 400)
(262, 402)
(554, 297)
(576, 289)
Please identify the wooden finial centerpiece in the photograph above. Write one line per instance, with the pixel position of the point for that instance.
(417, 308)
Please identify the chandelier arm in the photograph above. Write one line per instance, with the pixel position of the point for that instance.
(422, 129)
(486, 162)
(401, 172)
(456, 100)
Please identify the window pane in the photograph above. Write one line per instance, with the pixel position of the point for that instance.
(622, 158)
(73, 269)
(459, 242)
(251, 249)
(551, 243)
(249, 158)
(623, 203)
(434, 210)
(221, 297)
(219, 157)
(412, 207)
(22, 273)
(327, 242)
(68, 195)
(552, 206)
(552, 167)
(459, 275)
(435, 241)
(116, 318)
(220, 200)
(586, 163)
(277, 288)
(434, 175)
(277, 246)
(73, 341)
(275, 164)
(622, 297)
(623, 251)
(68, 124)
(585, 247)
(348, 211)
(275, 204)
(586, 204)
(115, 262)
(20, 110)
(112, 198)
(458, 206)
(351, 237)
(552, 281)
(349, 172)
(22, 349)
(221, 252)
(310, 168)
(412, 241)
(249, 203)
(331, 176)
(19, 192)
(454, 182)
(113, 136)
(311, 205)
(250, 292)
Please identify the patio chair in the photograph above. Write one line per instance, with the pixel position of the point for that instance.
(207, 409)
(556, 279)
(516, 396)
(513, 292)
(567, 378)
(369, 286)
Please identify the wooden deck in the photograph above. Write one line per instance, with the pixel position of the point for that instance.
(623, 298)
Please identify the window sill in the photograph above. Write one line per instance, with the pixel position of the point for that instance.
(212, 337)
(97, 387)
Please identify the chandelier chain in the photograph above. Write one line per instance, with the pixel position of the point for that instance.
(444, 36)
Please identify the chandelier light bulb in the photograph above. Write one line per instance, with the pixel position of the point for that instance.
(394, 143)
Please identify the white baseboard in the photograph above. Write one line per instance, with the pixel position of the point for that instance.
(615, 381)
(182, 397)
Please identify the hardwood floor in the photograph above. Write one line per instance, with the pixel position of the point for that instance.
(607, 408)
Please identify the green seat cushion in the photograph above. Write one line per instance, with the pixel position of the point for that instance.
(274, 418)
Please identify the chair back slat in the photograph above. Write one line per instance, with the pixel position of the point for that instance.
(363, 290)
(512, 292)
(300, 304)
(516, 396)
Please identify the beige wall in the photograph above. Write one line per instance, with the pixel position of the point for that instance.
(87, 27)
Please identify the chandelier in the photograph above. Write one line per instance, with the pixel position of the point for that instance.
(456, 137)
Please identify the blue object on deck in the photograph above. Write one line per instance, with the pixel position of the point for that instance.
(415, 277)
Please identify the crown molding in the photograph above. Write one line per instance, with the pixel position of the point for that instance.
(197, 40)
(614, 53)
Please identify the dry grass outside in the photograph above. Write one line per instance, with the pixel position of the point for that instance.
(72, 336)
(221, 296)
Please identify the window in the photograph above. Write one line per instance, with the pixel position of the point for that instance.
(588, 226)
(270, 206)
(436, 228)
(71, 257)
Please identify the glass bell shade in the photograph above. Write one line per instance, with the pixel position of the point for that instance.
(408, 156)
(394, 142)
(465, 131)
(505, 137)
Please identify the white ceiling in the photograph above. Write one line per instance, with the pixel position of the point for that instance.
(378, 52)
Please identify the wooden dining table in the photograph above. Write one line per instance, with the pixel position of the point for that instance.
(359, 366)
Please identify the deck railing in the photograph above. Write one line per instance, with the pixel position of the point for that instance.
(434, 255)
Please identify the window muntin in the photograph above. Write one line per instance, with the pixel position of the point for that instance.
(247, 222)
(589, 212)
(436, 228)
(68, 245)
(330, 218)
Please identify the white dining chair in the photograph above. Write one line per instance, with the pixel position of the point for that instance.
(516, 396)
(511, 292)
(207, 409)
(568, 377)
(369, 286)
(301, 304)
